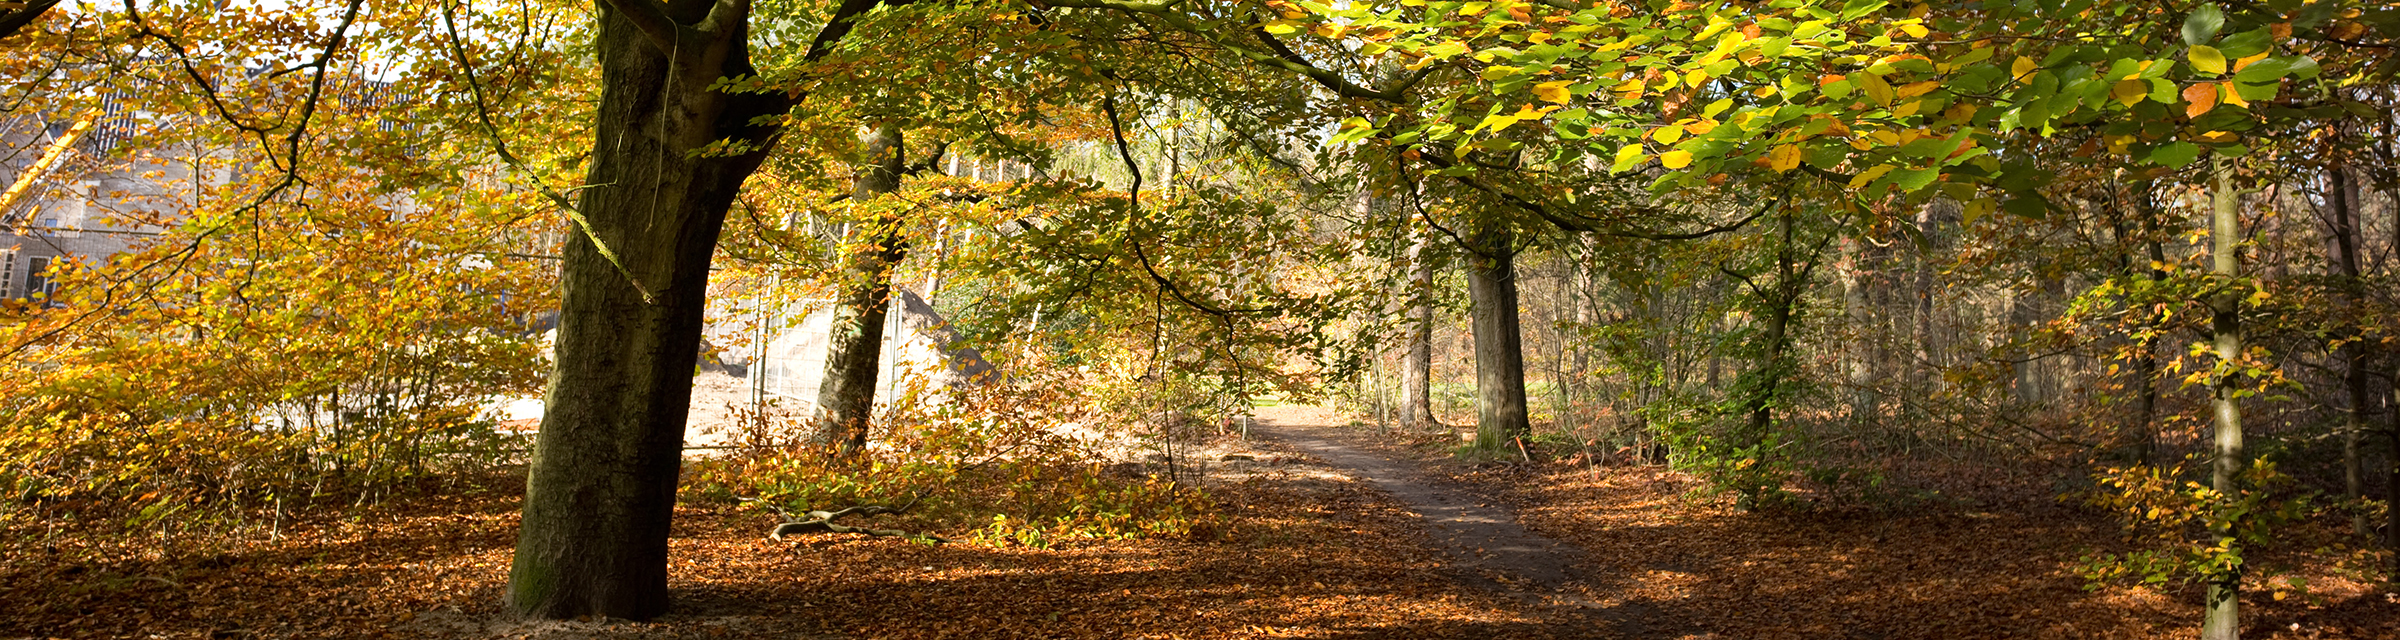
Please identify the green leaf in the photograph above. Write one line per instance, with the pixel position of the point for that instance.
(1628, 157)
(2028, 205)
(2175, 154)
(2207, 59)
(2202, 24)
(1913, 180)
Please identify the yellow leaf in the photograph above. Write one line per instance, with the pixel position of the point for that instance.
(2023, 68)
(2131, 91)
(1784, 158)
(1675, 159)
(1627, 157)
(1917, 89)
(1554, 91)
(1909, 109)
(1869, 175)
(2227, 95)
(1915, 30)
(2200, 98)
(2245, 63)
(1695, 78)
(1701, 128)
(1631, 88)
(2207, 59)
(1876, 88)
(1667, 134)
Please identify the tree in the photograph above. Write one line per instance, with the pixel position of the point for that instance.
(2223, 620)
(16, 16)
(854, 350)
(672, 146)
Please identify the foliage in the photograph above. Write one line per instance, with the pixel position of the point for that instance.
(2193, 532)
(991, 462)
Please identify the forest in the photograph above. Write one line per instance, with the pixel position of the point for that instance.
(1199, 319)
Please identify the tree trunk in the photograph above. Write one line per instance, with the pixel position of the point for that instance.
(1865, 406)
(854, 350)
(2223, 618)
(1499, 345)
(2391, 484)
(601, 488)
(2145, 359)
(1416, 366)
(2342, 244)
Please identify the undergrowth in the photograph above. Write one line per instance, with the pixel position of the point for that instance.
(978, 464)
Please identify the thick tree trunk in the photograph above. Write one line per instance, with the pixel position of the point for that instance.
(1416, 366)
(601, 488)
(2223, 618)
(1499, 345)
(854, 350)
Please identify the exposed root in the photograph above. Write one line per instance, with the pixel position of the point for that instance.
(822, 522)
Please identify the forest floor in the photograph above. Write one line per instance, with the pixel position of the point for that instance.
(1328, 533)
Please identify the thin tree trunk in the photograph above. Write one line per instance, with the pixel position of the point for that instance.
(1864, 405)
(1499, 345)
(854, 349)
(1416, 368)
(2223, 618)
(601, 488)
(2391, 484)
(2342, 235)
(2145, 359)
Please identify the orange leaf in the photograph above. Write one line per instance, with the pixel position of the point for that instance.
(2202, 97)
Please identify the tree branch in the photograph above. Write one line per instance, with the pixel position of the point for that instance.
(1330, 80)
(14, 20)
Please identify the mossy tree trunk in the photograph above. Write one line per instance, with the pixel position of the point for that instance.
(2222, 620)
(601, 488)
(1499, 344)
(1416, 365)
(854, 350)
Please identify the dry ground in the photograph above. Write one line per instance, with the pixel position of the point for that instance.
(1305, 552)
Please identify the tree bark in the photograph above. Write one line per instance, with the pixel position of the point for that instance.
(854, 350)
(2342, 246)
(1865, 405)
(1416, 366)
(601, 488)
(2391, 484)
(2145, 359)
(2223, 617)
(1499, 345)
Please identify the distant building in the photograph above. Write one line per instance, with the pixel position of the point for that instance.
(71, 193)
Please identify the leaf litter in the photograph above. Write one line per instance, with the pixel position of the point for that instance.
(1306, 552)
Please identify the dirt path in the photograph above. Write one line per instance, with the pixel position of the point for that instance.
(1481, 540)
